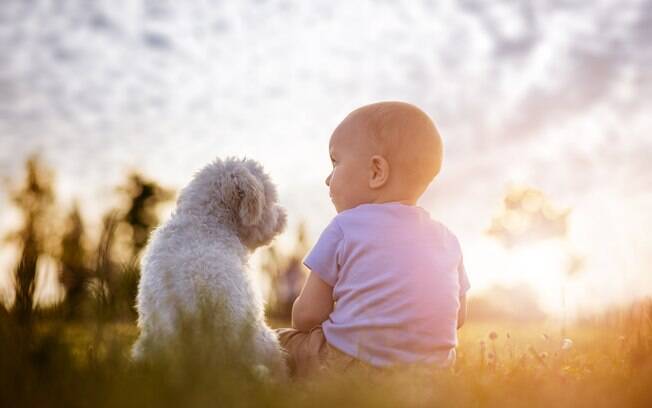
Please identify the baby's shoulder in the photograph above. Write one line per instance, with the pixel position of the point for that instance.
(444, 233)
(440, 226)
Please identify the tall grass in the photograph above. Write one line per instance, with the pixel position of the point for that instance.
(604, 362)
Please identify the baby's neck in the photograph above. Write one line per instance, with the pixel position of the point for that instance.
(406, 201)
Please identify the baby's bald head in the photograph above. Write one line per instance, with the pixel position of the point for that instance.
(405, 136)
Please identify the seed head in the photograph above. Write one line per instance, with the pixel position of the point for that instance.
(566, 344)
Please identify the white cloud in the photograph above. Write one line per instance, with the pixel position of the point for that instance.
(554, 92)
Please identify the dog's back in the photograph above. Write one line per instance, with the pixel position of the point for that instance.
(182, 270)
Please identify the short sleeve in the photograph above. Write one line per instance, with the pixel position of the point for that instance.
(323, 258)
(464, 279)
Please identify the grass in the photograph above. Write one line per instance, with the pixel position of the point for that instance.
(598, 364)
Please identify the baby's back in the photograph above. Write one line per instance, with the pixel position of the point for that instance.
(397, 277)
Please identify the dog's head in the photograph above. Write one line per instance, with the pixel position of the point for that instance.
(239, 192)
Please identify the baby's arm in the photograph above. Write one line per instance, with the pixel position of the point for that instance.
(464, 287)
(461, 314)
(313, 305)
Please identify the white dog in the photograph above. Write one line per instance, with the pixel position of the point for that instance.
(199, 256)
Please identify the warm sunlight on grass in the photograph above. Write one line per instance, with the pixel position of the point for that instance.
(605, 361)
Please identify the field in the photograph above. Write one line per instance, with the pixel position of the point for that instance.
(604, 362)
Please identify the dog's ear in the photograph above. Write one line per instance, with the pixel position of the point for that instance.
(250, 196)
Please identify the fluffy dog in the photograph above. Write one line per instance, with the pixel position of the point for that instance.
(199, 257)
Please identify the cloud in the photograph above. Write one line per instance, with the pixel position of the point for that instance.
(554, 90)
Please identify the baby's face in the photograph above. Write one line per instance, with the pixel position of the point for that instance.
(348, 181)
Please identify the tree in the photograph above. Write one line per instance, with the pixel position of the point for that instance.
(528, 216)
(143, 198)
(125, 233)
(75, 273)
(35, 200)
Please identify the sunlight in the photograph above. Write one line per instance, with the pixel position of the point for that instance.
(48, 290)
(538, 265)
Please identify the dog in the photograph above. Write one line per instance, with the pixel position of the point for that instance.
(198, 258)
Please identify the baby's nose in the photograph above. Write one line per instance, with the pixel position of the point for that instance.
(328, 180)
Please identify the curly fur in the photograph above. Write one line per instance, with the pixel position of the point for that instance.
(227, 211)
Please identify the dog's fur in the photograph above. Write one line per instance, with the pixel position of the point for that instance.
(227, 211)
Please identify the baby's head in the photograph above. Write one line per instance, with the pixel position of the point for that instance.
(383, 152)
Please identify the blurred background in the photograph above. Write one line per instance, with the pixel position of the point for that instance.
(107, 108)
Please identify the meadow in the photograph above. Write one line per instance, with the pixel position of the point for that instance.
(75, 353)
(605, 361)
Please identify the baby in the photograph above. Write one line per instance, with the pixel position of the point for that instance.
(387, 283)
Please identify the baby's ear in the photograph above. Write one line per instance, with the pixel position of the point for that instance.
(250, 196)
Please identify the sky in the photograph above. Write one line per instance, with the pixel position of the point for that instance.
(552, 94)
